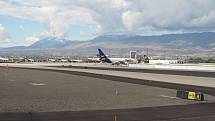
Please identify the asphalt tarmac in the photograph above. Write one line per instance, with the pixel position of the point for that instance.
(145, 70)
(27, 94)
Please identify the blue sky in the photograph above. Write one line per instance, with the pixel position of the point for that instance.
(19, 29)
(23, 22)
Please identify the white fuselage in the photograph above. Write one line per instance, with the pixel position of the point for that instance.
(115, 60)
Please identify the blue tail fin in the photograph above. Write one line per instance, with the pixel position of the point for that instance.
(103, 57)
(101, 53)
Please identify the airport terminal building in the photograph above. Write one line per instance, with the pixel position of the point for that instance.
(166, 61)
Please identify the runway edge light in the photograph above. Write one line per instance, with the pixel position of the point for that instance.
(190, 95)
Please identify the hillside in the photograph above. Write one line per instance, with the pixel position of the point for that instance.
(202, 44)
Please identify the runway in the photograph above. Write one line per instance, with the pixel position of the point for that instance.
(50, 95)
(203, 79)
(196, 73)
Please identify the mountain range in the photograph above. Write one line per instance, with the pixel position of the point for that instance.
(175, 44)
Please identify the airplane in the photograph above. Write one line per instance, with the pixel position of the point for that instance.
(3, 59)
(52, 60)
(94, 59)
(75, 61)
(113, 61)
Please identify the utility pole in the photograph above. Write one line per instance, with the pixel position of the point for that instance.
(147, 50)
(109, 52)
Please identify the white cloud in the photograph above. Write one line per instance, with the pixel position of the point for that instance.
(115, 16)
(4, 36)
(32, 39)
(169, 15)
(53, 15)
(2, 29)
(131, 20)
(207, 21)
(118, 4)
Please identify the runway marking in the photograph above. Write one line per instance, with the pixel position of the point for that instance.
(37, 84)
(115, 117)
(188, 118)
(168, 97)
(12, 80)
